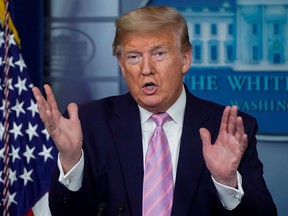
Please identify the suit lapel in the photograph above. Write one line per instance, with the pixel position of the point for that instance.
(190, 162)
(126, 129)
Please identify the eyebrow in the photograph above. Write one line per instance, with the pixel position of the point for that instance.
(157, 47)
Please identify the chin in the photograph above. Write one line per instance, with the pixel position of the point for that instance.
(153, 107)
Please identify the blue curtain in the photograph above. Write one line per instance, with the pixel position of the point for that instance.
(28, 17)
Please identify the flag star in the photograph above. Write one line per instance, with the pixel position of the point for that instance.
(46, 153)
(10, 61)
(29, 153)
(12, 176)
(26, 176)
(45, 132)
(16, 130)
(21, 85)
(1, 131)
(2, 108)
(18, 108)
(2, 152)
(1, 61)
(15, 153)
(9, 84)
(33, 108)
(31, 131)
(11, 39)
(11, 199)
(2, 38)
(21, 63)
(1, 179)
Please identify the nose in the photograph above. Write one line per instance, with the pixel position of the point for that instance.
(147, 65)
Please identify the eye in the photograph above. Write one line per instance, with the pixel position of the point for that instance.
(160, 55)
(133, 58)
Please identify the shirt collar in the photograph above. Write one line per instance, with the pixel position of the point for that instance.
(176, 111)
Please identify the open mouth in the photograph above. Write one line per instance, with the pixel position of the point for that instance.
(150, 88)
(149, 85)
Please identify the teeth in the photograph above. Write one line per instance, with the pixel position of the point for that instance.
(149, 87)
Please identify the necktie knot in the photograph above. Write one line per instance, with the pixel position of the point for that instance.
(160, 118)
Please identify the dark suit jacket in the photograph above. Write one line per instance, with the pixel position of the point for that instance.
(113, 170)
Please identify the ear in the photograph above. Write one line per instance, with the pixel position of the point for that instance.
(186, 60)
(121, 65)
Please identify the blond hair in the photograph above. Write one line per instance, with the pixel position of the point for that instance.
(148, 20)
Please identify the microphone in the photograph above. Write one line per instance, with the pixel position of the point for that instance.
(120, 210)
(101, 209)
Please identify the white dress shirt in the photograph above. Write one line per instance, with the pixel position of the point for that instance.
(230, 197)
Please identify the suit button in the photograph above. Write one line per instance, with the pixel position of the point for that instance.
(65, 200)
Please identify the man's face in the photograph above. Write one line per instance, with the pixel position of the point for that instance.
(153, 67)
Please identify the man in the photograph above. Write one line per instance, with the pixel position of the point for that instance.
(103, 144)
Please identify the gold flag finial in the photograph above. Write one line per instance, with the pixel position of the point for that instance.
(11, 26)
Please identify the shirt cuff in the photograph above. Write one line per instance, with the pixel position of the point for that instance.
(230, 197)
(73, 179)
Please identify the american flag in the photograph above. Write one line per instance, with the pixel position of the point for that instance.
(27, 153)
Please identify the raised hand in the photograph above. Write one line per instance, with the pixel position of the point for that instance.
(66, 133)
(223, 157)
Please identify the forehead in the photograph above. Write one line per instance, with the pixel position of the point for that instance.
(148, 40)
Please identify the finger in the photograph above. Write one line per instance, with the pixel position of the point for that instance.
(239, 128)
(51, 110)
(36, 92)
(225, 119)
(205, 137)
(38, 96)
(40, 103)
(232, 119)
(243, 143)
(51, 99)
(73, 111)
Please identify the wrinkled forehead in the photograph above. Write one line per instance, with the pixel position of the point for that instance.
(145, 44)
(155, 38)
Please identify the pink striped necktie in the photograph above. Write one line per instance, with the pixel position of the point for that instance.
(158, 183)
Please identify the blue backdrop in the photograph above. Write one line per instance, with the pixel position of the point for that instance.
(28, 17)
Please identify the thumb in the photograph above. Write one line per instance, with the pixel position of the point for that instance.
(205, 136)
(73, 111)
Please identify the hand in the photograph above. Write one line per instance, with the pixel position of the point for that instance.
(66, 133)
(223, 157)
